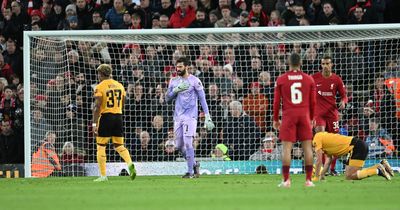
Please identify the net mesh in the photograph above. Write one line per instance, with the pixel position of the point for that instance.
(63, 75)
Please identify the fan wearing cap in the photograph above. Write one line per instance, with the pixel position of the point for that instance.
(268, 150)
(36, 15)
(243, 20)
(221, 151)
(238, 6)
(107, 120)
(73, 23)
(127, 19)
(256, 11)
(254, 22)
(241, 4)
(255, 104)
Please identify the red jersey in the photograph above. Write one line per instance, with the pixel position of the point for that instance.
(297, 92)
(327, 88)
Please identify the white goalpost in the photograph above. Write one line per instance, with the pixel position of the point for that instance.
(238, 65)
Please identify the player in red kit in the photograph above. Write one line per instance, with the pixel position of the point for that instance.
(295, 91)
(327, 115)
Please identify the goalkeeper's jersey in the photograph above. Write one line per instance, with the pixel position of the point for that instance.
(186, 102)
(332, 144)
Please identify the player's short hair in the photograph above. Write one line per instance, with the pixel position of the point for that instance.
(294, 59)
(105, 69)
(327, 57)
(183, 60)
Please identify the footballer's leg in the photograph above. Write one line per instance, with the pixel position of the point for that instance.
(287, 134)
(286, 159)
(178, 133)
(305, 134)
(180, 144)
(356, 173)
(308, 157)
(189, 129)
(196, 169)
(124, 153)
(332, 126)
(101, 159)
(387, 166)
(354, 169)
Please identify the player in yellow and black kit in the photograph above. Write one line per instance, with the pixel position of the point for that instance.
(107, 120)
(339, 145)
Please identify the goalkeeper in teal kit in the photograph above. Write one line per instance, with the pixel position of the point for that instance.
(187, 89)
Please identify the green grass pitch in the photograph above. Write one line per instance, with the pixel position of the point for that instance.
(230, 192)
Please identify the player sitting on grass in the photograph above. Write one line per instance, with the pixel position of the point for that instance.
(339, 145)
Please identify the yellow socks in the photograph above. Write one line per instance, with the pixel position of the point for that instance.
(101, 159)
(364, 173)
(124, 153)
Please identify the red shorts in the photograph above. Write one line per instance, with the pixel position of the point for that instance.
(331, 124)
(295, 128)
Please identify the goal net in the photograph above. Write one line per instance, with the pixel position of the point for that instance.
(238, 68)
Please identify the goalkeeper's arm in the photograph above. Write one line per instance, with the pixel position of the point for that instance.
(208, 123)
(172, 92)
(170, 95)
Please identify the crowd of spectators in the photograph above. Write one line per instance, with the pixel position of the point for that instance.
(238, 79)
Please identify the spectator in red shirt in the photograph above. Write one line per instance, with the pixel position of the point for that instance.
(70, 155)
(183, 16)
(256, 11)
(136, 21)
(255, 104)
(5, 69)
(275, 19)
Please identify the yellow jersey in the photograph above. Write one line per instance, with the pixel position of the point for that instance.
(332, 144)
(112, 94)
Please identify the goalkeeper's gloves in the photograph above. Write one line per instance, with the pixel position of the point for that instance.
(181, 87)
(208, 123)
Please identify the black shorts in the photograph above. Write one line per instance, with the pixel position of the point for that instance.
(111, 125)
(360, 149)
